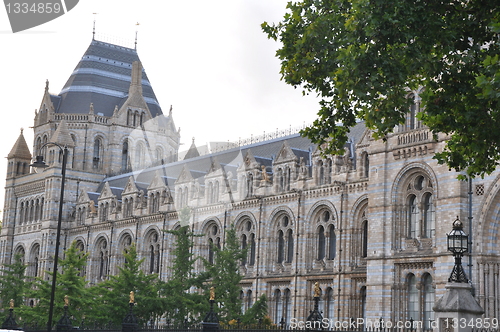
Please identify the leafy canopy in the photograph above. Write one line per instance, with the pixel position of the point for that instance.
(363, 56)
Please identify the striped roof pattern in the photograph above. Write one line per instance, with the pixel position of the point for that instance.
(102, 77)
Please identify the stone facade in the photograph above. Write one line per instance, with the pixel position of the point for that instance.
(369, 226)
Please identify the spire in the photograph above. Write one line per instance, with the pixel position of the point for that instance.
(20, 149)
(93, 28)
(135, 43)
(135, 94)
(192, 152)
(62, 136)
(136, 81)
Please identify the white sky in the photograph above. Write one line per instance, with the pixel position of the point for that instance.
(209, 59)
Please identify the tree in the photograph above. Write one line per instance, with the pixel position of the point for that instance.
(257, 314)
(184, 303)
(226, 277)
(363, 56)
(70, 282)
(113, 295)
(13, 282)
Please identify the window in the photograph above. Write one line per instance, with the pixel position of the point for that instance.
(33, 266)
(362, 293)
(125, 156)
(285, 240)
(249, 185)
(278, 306)
(411, 121)
(321, 243)
(103, 211)
(154, 202)
(246, 232)
(428, 297)
(80, 247)
(213, 241)
(420, 209)
(153, 245)
(98, 150)
(287, 306)
(413, 303)
(329, 302)
(102, 254)
(364, 238)
(326, 241)
(128, 207)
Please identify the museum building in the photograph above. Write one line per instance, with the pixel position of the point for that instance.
(370, 227)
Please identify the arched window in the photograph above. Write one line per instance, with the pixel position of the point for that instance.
(362, 294)
(80, 247)
(284, 233)
(102, 254)
(428, 216)
(412, 216)
(249, 185)
(428, 297)
(413, 303)
(287, 307)
(81, 215)
(289, 245)
(98, 151)
(159, 155)
(329, 300)
(281, 180)
(364, 238)
(321, 171)
(365, 160)
(140, 155)
(278, 306)
(125, 243)
(281, 246)
(34, 261)
(125, 156)
(325, 235)
(324, 172)
(153, 245)
(213, 235)
(420, 209)
(321, 243)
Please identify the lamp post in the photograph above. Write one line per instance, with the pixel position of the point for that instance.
(40, 163)
(458, 244)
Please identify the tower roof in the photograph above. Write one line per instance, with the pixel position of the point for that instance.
(20, 149)
(102, 77)
(192, 152)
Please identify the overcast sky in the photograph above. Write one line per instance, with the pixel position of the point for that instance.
(210, 60)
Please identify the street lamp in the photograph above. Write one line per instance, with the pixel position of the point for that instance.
(458, 244)
(40, 163)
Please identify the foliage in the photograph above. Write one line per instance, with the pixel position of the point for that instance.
(183, 301)
(257, 313)
(13, 282)
(225, 274)
(362, 56)
(69, 282)
(112, 296)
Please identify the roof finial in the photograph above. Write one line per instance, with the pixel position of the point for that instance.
(93, 29)
(135, 43)
(22, 129)
(46, 85)
(170, 112)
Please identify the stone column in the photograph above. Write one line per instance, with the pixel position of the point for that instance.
(457, 310)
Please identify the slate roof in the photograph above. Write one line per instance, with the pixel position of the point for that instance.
(264, 153)
(102, 77)
(229, 160)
